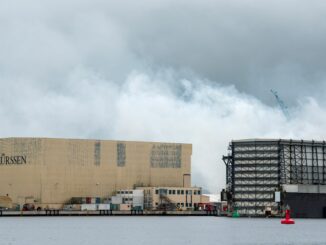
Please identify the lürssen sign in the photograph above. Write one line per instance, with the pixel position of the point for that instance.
(9, 160)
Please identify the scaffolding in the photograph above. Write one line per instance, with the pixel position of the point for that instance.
(255, 169)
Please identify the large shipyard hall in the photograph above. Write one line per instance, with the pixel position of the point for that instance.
(266, 176)
(50, 173)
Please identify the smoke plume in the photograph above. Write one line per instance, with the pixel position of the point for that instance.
(183, 71)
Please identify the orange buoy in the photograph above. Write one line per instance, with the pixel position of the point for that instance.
(287, 220)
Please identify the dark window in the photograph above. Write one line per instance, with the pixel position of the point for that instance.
(156, 192)
(121, 154)
(170, 192)
(198, 192)
(173, 192)
(97, 152)
(166, 156)
(182, 192)
(163, 191)
(178, 192)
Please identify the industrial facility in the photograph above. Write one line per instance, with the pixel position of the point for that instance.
(60, 173)
(264, 177)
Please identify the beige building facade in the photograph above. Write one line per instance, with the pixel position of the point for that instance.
(182, 198)
(52, 171)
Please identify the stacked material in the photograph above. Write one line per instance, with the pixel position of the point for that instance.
(76, 200)
(89, 207)
(114, 207)
(85, 200)
(125, 207)
(5, 202)
(104, 206)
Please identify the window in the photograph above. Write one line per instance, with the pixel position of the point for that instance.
(182, 192)
(118, 192)
(182, 204)
(173, 192)
(186, 204)
(170, 192)
(186, 192)
(198, 192)
(178, 192)
(156, 203)
(156, 192)
(163, 191)
(195, 192)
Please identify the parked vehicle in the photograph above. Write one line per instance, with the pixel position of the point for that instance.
(28, 207)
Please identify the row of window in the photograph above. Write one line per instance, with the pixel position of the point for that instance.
(170, 192)
(177, 192)
(126, 199)
(182, 204)
(124, 192)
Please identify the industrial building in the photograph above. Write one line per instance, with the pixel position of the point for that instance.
(50, 172)
(269, 175)
(180, 198)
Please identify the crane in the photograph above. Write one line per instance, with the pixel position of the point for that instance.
(284, 108)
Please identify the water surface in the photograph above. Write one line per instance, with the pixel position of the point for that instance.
(158, 230)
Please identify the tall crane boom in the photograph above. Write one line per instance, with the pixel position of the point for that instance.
(284, 108)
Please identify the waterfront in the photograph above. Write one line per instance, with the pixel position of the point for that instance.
(158, 230)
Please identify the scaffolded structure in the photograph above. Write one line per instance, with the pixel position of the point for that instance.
(255, 169)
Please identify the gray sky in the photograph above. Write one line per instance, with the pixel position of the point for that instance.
(193, 71)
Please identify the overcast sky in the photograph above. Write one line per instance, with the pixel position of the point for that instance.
(198, 72)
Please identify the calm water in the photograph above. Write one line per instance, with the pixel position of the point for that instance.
(158, 230)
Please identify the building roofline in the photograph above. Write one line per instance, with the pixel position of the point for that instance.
(286, 141)
(92, 139)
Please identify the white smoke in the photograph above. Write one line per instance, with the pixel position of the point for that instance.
(155, 108)
(163, 71)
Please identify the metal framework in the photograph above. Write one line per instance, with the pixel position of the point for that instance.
(255, 169)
